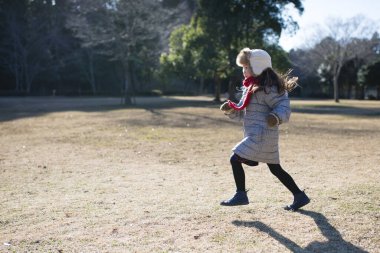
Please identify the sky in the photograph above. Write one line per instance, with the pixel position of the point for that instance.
(317, 12)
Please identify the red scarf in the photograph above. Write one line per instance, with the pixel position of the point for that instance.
(248, 82)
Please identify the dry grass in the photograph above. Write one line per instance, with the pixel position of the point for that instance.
(83, 175)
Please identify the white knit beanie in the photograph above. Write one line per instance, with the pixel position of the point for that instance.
(259, 60)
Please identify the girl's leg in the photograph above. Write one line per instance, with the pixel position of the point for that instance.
(240, 197)
(284, 177)
(238, 172)
(300, 198)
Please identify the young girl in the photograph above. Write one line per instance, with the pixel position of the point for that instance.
(263, 107)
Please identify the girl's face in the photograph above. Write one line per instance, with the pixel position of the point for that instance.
(247, 72)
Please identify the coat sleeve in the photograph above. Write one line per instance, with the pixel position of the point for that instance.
(238, 115)
(280, 105)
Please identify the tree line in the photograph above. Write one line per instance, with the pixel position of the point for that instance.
(344, 63)
(126, 47)
(79, 47)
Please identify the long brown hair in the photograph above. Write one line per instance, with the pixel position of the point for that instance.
(283, 82)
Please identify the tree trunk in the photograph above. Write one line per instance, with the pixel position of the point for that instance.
(15, 69)
(92, 72)
(217, 89)
(336, 90)
(133, 83)
(349, 90)
(127, 88)
(201, 87)
(17, 78)
(231, 89)
(127, 97)
(28, 84)
(362, 96)
(335, 83)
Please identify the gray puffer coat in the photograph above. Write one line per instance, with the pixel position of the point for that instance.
(260, 142)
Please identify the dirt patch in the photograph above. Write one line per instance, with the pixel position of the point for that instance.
(89, 175)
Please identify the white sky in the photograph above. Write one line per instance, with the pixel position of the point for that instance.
(316, 12)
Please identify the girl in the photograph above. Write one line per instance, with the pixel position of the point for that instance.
(262, 108)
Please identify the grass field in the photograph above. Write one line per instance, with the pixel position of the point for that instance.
(87, 175)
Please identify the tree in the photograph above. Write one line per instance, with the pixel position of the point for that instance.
(342, 44)
(24, 46)
(348, 77)
(34, 40)
(108, 28)
(369, 76)
(334, 61)
(306, 67)
(219, 29)
(190, 54)
(125, 31)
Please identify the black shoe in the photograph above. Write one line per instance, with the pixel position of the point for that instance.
(300, 200)
(240, 198)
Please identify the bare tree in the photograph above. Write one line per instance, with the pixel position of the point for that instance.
(125, 31)
(33, 41)
(341, 45)
(12, 48)
(88, 67)
(22, 50)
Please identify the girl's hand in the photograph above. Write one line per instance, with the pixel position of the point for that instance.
(253, 88)
(273, 120)
(226, 108)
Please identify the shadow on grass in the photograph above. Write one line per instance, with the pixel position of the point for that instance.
(23, 107)
(334, 243)
(336, 110)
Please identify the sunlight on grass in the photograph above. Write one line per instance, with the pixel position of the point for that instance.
(152, 180)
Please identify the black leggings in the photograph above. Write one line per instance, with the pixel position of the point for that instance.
(276, 169)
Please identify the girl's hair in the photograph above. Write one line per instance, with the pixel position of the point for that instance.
(283, 82)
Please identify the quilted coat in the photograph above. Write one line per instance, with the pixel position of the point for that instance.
(260, 141)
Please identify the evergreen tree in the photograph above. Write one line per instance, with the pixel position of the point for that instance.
(219, 29)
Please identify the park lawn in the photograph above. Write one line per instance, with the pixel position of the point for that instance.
(149, 178)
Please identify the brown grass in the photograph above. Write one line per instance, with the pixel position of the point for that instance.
(84, 175)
